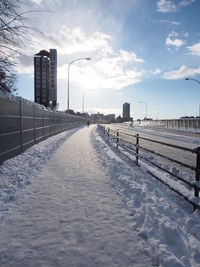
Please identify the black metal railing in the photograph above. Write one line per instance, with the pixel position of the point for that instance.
(131, 144)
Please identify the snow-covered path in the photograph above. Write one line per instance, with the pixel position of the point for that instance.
(71, 216)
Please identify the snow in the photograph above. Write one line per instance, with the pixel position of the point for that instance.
(160, 126)
(16, 173)
(74, 200)
(160, 216)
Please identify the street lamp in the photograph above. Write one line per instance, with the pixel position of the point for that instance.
(191, 79)
(145, 107)
(82, 58)
(84, 98)
(188, 79)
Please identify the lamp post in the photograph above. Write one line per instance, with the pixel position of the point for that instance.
(83, 101)
(82, 58)
(145, 108)
(188, 79)
(191, 79)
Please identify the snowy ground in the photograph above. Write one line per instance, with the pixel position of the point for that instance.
(72, 200)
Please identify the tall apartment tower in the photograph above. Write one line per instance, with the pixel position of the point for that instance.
(53, 77)
(45, 77)
(126, 111)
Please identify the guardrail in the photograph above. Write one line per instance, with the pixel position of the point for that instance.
(121, 139)
(23, 125)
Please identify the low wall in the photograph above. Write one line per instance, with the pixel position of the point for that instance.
(23, 124)
(186, 124)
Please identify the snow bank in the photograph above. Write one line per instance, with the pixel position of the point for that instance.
(160, 217)
(20, 171)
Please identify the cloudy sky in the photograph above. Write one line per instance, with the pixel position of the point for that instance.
(141, 50)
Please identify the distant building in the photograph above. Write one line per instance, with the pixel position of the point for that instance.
(126, 111)
(109, 118)
(97, 117)
(119, 119)
(45, 78)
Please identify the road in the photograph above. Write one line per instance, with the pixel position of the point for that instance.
(162, 136)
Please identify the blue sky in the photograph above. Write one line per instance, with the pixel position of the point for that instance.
(141, 50)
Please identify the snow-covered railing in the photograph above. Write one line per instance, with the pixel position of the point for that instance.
(23, 124)
(130, 144)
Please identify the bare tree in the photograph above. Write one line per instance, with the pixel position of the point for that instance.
(12, 33)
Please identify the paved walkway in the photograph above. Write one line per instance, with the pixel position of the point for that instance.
(71, 216)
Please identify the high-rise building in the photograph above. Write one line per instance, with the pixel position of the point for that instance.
(126, 111)
(45, 77)
(53, 77)
(41, 79)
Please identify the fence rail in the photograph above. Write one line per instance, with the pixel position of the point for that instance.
(135, 149)
(23, 125)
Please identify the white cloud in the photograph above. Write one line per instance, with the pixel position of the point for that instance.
(166, 6)
(169, 6)
(185, 3)
(116, 71)
(173, 22)
(24, 69)
(150, 74)
(186, 34)
(173, 42)
(114, 65)
(156, 71)
(69, 41)
(72, 41)
(107, 69)
(194, 49)
(173, 34)
(110, 73)
(127, 78)
(181, 73)
(129, 56)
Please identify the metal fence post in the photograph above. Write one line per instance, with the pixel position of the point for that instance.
(196, 190)
(108, 133)
(34, 113)
(54, 123)
(117, 138)
(49, 124)
(21, 125)
(62, 122)
(137, 149)
(43, 120)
